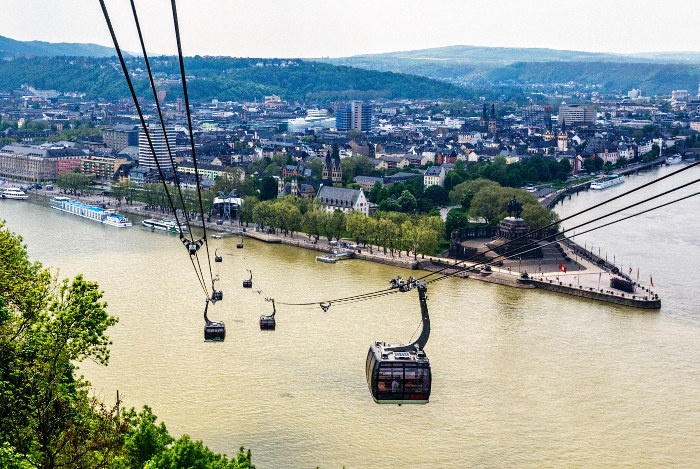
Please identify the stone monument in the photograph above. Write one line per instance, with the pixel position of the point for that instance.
(511, 235)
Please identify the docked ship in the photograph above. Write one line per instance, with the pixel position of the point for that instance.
(607, 181)
(98, 214)
(674, 159)
(170, 226)
(13, 193)
(336, 255)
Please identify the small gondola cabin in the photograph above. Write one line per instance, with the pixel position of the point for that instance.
(214, 331)
(267, 323)
(398, 374)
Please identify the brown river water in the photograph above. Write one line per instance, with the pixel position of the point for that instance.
(521, 378)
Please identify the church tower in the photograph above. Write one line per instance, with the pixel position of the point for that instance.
(483, 122)
(563, 138)
(332, 170)
(492, 121)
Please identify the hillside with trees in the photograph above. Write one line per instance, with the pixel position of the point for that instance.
(226, 79)
(48, 416)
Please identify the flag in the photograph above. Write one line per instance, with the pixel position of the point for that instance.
(651, 280)
(562, 267)
(630, 270)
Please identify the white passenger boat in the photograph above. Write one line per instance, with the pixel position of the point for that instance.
(329, 259)
(98, 214)
(607, 181)
(674, 159)
(13, 193)
(163, 225)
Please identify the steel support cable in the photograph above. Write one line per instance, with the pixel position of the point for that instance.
(197, 266)
(162, 125)
(579, 234)
(379, 293)
(138, 107)
(189, 127)
(607, 224)
(572, 216)
(534, 243)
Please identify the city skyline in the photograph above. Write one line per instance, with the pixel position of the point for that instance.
(317, 28)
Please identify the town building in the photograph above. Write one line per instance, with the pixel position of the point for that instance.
(355, 116)
(32, 163)
(120, 136)
(147, 158)
(102, 168)
(434, 176)
(576, 114)
(346, 200)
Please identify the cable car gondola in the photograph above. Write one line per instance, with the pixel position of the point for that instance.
(240, 244)
(268, 322)
(217, 257)
(397, 373)
(248, 283)
(214, 331)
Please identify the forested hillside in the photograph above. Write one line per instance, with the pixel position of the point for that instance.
(223, 78)
(653, 73)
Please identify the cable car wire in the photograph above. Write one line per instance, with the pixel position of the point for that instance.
(379, 293)
(515, 251)
(197, 267)
(188, 112)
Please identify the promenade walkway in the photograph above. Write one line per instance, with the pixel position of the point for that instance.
(583, 277)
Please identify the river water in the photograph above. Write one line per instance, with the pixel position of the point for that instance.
(521, 378)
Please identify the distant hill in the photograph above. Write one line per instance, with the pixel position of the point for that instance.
(223, 78)
(654, 73)
(10, 48)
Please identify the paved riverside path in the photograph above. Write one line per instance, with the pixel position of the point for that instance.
(581, 273)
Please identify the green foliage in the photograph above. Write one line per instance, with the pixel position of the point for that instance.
(47, 418)
(268, 188)
(47, 327)
(464, 192)
(143, 439)
(74, 182)
(225, 78)
(456, 218)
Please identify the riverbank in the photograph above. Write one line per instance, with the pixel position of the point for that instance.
(566, 271)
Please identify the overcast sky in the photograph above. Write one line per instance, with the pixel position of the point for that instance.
(319, 28)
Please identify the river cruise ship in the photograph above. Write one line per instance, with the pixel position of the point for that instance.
(98, 214)
(13, 193)
(607, 181)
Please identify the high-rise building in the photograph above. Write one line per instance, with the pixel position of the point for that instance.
(356, 116)
(576, 114)
(679, 95)
(146, 157)
(537, 116)
(120, 136)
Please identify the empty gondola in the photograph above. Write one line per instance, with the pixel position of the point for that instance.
(397, 373)
(249, 282)
(267, 322)
(214, 331)
(217, 257)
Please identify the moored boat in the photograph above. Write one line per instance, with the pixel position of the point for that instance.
(329, 259)
(674, 159)
(164, 225)
(98, 214)
(13, 193)
(341, 254)
(607, 181)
